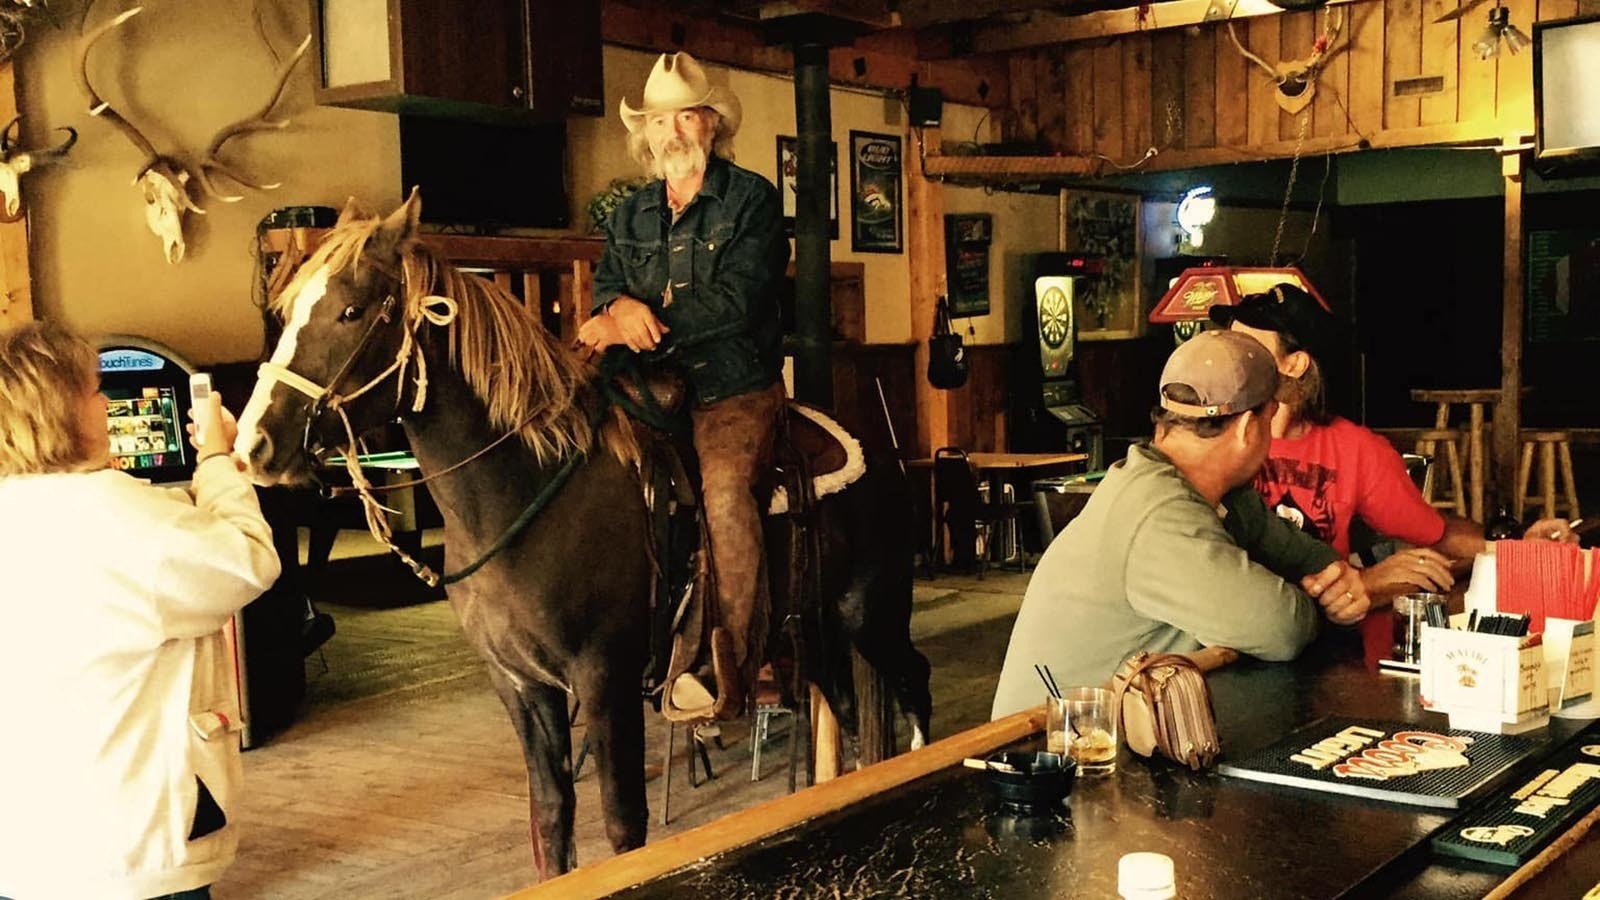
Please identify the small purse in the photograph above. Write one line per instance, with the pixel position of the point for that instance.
(1166, 708)
(947, 359)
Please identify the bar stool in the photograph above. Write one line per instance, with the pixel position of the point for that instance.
(1427, 446)
(1552, 445)
(1476, 434)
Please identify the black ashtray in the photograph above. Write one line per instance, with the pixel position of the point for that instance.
(1031, 782)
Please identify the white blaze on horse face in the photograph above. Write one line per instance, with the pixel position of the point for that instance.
(261, 398)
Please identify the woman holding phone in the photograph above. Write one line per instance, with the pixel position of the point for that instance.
(120, 767)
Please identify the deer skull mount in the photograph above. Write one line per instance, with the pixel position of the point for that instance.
(1296, 80)
(165, 181)
(15, 163)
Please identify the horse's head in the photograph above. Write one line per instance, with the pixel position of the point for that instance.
(342, 362)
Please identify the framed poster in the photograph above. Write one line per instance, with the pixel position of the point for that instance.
(1110, 307)
(788, 182)
(876, 225)
(966, 263)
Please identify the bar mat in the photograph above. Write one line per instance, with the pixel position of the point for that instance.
(1392, 761)
(1511, 827)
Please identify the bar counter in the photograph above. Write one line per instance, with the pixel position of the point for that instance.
(927, 827)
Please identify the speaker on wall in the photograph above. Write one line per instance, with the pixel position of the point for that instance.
(926, 105)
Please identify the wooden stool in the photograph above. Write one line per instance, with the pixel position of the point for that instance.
(1427, 445)
(1550, 444)
(1477, 434)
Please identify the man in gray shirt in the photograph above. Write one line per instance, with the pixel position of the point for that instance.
(1175, 551)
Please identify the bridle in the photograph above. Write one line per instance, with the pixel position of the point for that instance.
(431, 309)
(435, 310)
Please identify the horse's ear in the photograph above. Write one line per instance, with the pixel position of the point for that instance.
(352, 211)
(403, 222)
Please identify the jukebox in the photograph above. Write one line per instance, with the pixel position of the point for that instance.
(1048, 413)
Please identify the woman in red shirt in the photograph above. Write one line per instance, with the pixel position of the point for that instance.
(1324, 470)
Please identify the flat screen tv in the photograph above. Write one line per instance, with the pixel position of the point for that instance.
(1566, 93)
(481, 176)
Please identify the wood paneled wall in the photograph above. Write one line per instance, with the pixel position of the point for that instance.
(1191, 94)
(978, 408)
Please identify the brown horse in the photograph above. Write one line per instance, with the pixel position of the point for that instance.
(378, 328)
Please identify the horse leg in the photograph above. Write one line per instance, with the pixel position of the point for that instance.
(616, 733)
(883, 638)
(539, 714)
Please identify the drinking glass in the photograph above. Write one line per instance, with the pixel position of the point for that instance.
(1083, 724)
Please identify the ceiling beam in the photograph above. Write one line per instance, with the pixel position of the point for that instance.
(922, 13)
(1001, 169)
(881, 60)
(1045, 29)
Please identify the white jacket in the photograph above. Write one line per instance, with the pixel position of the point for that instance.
(113, 595)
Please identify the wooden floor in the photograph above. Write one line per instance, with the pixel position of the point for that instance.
(402, 777)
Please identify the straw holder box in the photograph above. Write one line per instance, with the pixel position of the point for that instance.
(1485, 682)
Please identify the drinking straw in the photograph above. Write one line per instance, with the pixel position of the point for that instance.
(1052, 679)
(1049, 683)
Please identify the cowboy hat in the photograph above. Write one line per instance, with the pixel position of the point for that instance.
(677, 82)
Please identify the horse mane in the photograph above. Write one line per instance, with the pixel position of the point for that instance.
(506, 357)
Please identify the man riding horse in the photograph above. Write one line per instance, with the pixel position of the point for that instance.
(688, 280)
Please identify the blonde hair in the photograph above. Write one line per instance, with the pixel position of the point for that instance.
(721, 143)
(44, 370)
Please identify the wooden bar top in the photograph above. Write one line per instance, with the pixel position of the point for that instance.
(888, 831)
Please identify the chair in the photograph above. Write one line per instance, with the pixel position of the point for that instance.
(1551, 445)
(769, 705)
(962, 512)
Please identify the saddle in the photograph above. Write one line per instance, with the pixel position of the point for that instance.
(814, 456)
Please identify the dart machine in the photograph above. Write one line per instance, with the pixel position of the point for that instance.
(1048, 414)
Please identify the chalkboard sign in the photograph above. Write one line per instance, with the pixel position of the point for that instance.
(966, 255)
(1563, 284)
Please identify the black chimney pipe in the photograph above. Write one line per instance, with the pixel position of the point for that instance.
(813, 370)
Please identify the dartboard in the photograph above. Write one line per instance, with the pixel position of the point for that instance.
(1055, 317)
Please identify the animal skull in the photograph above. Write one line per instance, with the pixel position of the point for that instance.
(16, 163)
(166, 199)
(164, 181)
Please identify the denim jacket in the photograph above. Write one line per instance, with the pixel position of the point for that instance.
(725, 257)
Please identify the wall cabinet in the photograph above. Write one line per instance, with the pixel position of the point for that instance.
(487, 60)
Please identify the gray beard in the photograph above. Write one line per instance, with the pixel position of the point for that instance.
(681, 159)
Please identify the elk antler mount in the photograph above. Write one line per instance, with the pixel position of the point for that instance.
(1296, 79)
(167, 181)
(15, 163)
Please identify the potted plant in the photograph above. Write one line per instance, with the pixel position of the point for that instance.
(606, 200)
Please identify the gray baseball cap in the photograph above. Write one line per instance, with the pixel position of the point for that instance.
(1228, 371)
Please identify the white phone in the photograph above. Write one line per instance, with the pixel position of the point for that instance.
(199, 398)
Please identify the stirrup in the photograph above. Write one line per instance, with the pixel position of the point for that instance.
(687, 700)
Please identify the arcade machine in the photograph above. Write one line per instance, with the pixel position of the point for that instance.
(147, 393)
(1048, 414)
(146, 385)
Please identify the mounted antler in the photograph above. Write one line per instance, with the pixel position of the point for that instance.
(1297, 79)
(255, 122)
(16, 163)
(164, 180)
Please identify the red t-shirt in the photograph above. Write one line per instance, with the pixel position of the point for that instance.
(1334, 472)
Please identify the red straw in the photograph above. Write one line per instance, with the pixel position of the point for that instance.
(1543, 579)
